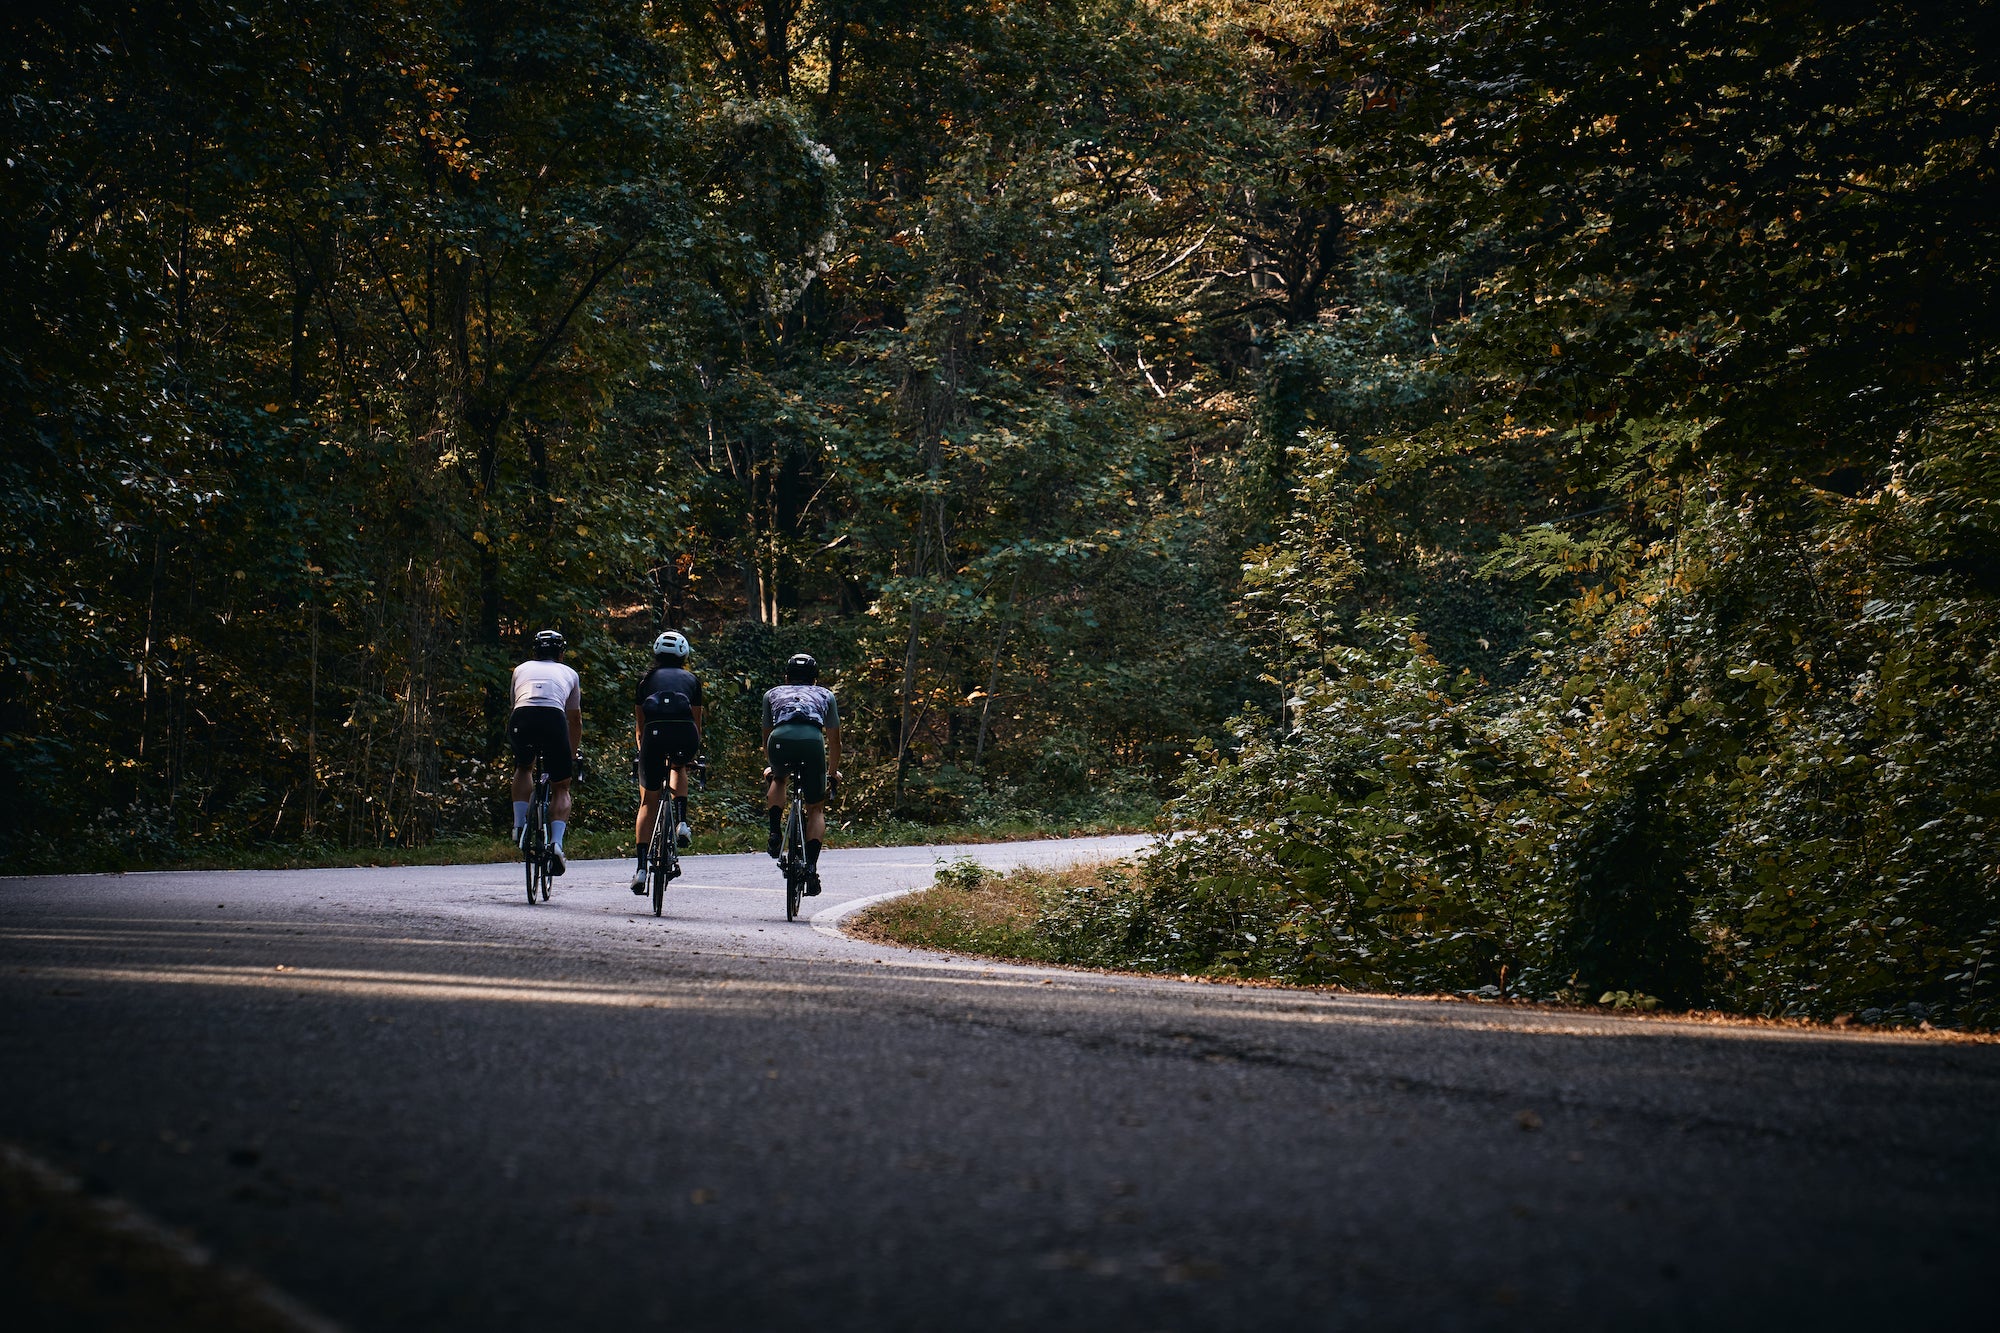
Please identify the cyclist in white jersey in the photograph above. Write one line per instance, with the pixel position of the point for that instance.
(547, 720)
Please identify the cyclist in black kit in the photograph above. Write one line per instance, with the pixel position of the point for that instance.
(667, 714)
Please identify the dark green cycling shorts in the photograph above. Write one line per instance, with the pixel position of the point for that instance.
(799, 749)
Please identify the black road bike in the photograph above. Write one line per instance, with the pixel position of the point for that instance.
(792, 851)
(663, 858)
(538, 839)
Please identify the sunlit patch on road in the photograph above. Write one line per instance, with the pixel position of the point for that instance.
(370, 984)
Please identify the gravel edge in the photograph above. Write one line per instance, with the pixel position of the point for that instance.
(77, 1259)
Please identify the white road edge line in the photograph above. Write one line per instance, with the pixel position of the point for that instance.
(827, 922)
(117, 1215)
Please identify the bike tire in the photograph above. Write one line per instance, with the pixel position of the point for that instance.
(658, 849)
(799, 846)
(795, 861)
(528, 859)
(548, 841)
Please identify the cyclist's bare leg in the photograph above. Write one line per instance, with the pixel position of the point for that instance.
(559, 800)
(649, 810)
(815, 837)
(774, 805)
(524, 782)
(677, 787)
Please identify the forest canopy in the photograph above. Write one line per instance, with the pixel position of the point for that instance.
(1518, 480)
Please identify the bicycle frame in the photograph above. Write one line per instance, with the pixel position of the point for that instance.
(792, 851)
(663, 858)
(537, 838)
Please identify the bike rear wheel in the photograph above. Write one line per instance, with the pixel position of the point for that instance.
(661, 864)
(795, 861)
(545, 841)
(531, 855)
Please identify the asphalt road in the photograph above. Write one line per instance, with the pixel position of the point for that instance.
(414, 1102)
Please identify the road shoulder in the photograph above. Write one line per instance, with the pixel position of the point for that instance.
(82, 1261)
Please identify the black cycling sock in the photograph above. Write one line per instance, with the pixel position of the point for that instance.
(680, 809)
(642, 856)
(777, 816)
(812, 853)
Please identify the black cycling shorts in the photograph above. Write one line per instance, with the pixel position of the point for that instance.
(670, 742)
(798, 749)
(544, 730)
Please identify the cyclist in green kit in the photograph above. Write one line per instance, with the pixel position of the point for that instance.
(801, 736)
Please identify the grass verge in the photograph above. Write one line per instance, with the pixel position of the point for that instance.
(976, 911)
(1029, 916)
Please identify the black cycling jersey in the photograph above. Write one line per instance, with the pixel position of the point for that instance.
(668, 678)
(670, 739)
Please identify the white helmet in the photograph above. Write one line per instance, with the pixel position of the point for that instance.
(673, 644)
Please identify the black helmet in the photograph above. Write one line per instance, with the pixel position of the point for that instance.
(549, 645)
(800, 669)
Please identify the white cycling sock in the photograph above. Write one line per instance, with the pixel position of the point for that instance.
(556, 826)
(520, 815)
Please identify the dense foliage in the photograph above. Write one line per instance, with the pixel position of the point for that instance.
(347, 345)
(1562, 436)
(1713, 406)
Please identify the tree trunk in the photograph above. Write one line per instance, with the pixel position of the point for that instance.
(908, 728)
(993, 677)
(487, 422)
(302, 292)
(312, 719)
(538, 477)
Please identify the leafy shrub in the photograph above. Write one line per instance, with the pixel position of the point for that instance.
(1718, 788)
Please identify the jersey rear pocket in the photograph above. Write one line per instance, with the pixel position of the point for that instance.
(667, 706)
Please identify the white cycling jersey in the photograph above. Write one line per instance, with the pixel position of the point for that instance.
(540, 684)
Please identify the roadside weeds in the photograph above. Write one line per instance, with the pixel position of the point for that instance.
(993, 916)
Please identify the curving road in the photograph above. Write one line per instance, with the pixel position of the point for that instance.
(413, 1102)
